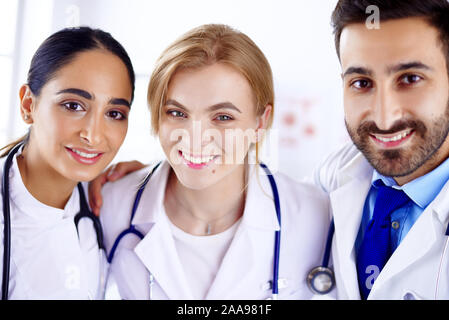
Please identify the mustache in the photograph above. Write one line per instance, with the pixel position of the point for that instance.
(370, 127)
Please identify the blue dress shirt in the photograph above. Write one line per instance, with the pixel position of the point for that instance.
(422, 191)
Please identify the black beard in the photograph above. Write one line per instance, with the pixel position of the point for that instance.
(402, 162)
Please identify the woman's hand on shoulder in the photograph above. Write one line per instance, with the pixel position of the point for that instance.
(113, 173)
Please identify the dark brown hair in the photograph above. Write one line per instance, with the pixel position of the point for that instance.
(436, 12)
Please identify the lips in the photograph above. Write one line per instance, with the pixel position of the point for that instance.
(197, 161)
(392, 140)
(85, 156)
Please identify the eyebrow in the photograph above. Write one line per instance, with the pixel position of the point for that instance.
(120, 102)
(218, 106)
(390, 70)
(357, 70)
(78, 92)
(87, 95)
(406, 66)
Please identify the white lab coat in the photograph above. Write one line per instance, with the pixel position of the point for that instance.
(48, 259)
(246, 269)
(413, 269)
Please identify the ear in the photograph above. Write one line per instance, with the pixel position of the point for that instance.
(263, 122)
(27, 103)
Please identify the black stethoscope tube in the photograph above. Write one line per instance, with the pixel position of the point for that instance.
(327, 251)
(7, 222)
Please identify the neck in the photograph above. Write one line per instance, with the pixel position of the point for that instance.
(42, 181)
(207, 211)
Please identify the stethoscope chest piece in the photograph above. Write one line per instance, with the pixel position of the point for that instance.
(321, 280)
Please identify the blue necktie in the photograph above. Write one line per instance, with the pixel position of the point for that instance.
(375, 249)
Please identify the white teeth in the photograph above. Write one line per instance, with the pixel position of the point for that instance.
(395, 138)
(197, 160)
(85, 155)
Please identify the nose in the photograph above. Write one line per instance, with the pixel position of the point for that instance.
(201, 135)
(386, 108)
(92, 131)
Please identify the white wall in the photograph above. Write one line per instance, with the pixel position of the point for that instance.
(295, 35)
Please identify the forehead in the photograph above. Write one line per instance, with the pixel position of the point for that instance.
(97, 70)
(209, 85)
(397, 41)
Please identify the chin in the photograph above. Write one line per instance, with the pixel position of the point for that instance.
(79, 175)
(196, 181)
(390, 166)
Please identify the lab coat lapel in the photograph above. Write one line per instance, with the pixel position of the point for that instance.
(347, 204)
(157, 249)
(235, 267)
(240, 259)
(158, 253)
(419, 240)
(425, 233)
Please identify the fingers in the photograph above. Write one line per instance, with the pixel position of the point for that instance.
(95, 197)
(113, 173)
(123, 168)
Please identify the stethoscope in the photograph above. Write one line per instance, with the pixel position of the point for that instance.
(320, 279)
(84, 213)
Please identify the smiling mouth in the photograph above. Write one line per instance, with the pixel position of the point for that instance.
(84, 156)
(392, 140)
(197, 160)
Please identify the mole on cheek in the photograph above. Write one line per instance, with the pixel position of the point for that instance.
(213, 171)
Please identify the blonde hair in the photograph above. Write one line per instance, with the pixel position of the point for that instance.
(206, 45)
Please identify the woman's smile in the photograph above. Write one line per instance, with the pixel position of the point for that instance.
(84, 156)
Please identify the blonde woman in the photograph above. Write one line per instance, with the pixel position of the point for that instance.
(206, 224)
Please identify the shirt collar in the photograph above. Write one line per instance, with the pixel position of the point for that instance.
(422, 190)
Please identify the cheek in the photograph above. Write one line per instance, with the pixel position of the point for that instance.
(236, 146)
(168, 134)
(425, 103)
(356, 109)
(116, 135)
(53, 125)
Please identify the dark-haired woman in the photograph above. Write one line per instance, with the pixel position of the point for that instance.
(76, 101)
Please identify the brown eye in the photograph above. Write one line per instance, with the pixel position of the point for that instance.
(73, 106)
(116, 115)
(362, 84)
(410, 79)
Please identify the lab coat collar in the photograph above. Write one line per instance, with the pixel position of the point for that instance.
(347, 203)
(441, 204)
(151, 204)
(357, 168)
(259, 210)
